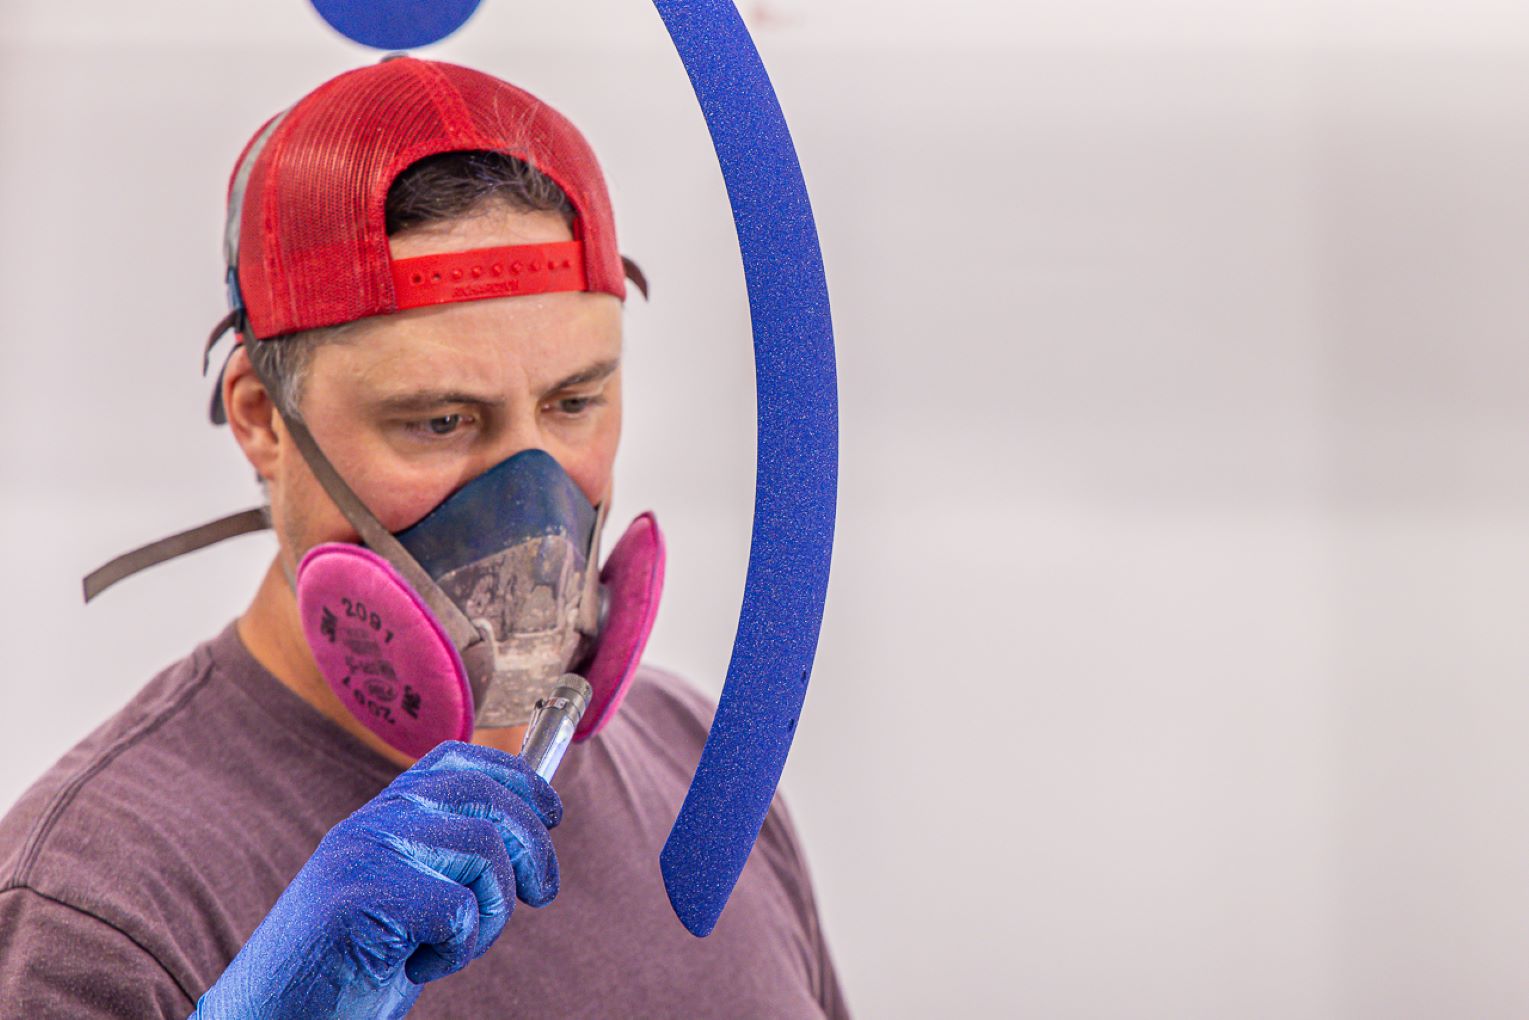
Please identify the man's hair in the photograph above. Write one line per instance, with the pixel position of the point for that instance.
(438, 189)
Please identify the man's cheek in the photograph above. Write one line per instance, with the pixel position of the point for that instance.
(402, 502)
(314, 518)
(396, 494)
(600, 466)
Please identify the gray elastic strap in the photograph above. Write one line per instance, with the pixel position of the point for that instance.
(377, 538)
(128, 564)
(590, 616)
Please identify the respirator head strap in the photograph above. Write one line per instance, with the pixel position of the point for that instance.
(129, 563)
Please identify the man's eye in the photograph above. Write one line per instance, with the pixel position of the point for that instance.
(577, 405)
(439, 427)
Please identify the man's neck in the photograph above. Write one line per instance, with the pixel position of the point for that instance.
(272, 632)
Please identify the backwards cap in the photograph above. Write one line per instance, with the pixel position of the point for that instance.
(307, 243)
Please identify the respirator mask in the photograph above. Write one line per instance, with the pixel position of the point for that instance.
(470, 616)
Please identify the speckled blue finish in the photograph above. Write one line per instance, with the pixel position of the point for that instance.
(396, 24)
(797, 475)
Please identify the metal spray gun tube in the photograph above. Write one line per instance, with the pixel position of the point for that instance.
(553, 722)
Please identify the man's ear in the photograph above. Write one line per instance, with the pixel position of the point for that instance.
(251, 414)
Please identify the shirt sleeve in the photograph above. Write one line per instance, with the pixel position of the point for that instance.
(57, 961)
(785, 852)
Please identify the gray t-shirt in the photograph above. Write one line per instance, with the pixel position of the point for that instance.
(133, 871)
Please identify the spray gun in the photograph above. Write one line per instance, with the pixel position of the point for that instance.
(553, 721)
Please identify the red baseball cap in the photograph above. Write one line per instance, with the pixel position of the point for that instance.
(306, 241)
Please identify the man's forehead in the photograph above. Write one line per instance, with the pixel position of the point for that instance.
(402, 383)
(495, 223)
(535, 341)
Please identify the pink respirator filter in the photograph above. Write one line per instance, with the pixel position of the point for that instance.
(392, 665)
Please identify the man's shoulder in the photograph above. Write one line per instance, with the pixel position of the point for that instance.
(181, 818)
(663, 707)
(91, 792)
(675, 717)
(96, 835)
(212, 756)
(660, 690)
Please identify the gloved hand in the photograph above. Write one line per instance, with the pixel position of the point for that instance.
(413, 886)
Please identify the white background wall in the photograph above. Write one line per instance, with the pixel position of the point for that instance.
(1185, 388)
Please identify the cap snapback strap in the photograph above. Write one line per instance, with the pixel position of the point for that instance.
(508, 271)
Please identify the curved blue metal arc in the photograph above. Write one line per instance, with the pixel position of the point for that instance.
(798, 454)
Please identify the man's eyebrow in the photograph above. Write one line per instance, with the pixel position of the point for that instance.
(594, 373)
(419, 401)
(428, 400)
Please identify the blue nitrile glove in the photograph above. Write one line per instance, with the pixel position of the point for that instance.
(413, 886)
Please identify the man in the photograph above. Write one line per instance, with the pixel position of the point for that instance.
(239, 841)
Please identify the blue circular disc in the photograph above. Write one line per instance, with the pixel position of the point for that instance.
(396, 24)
